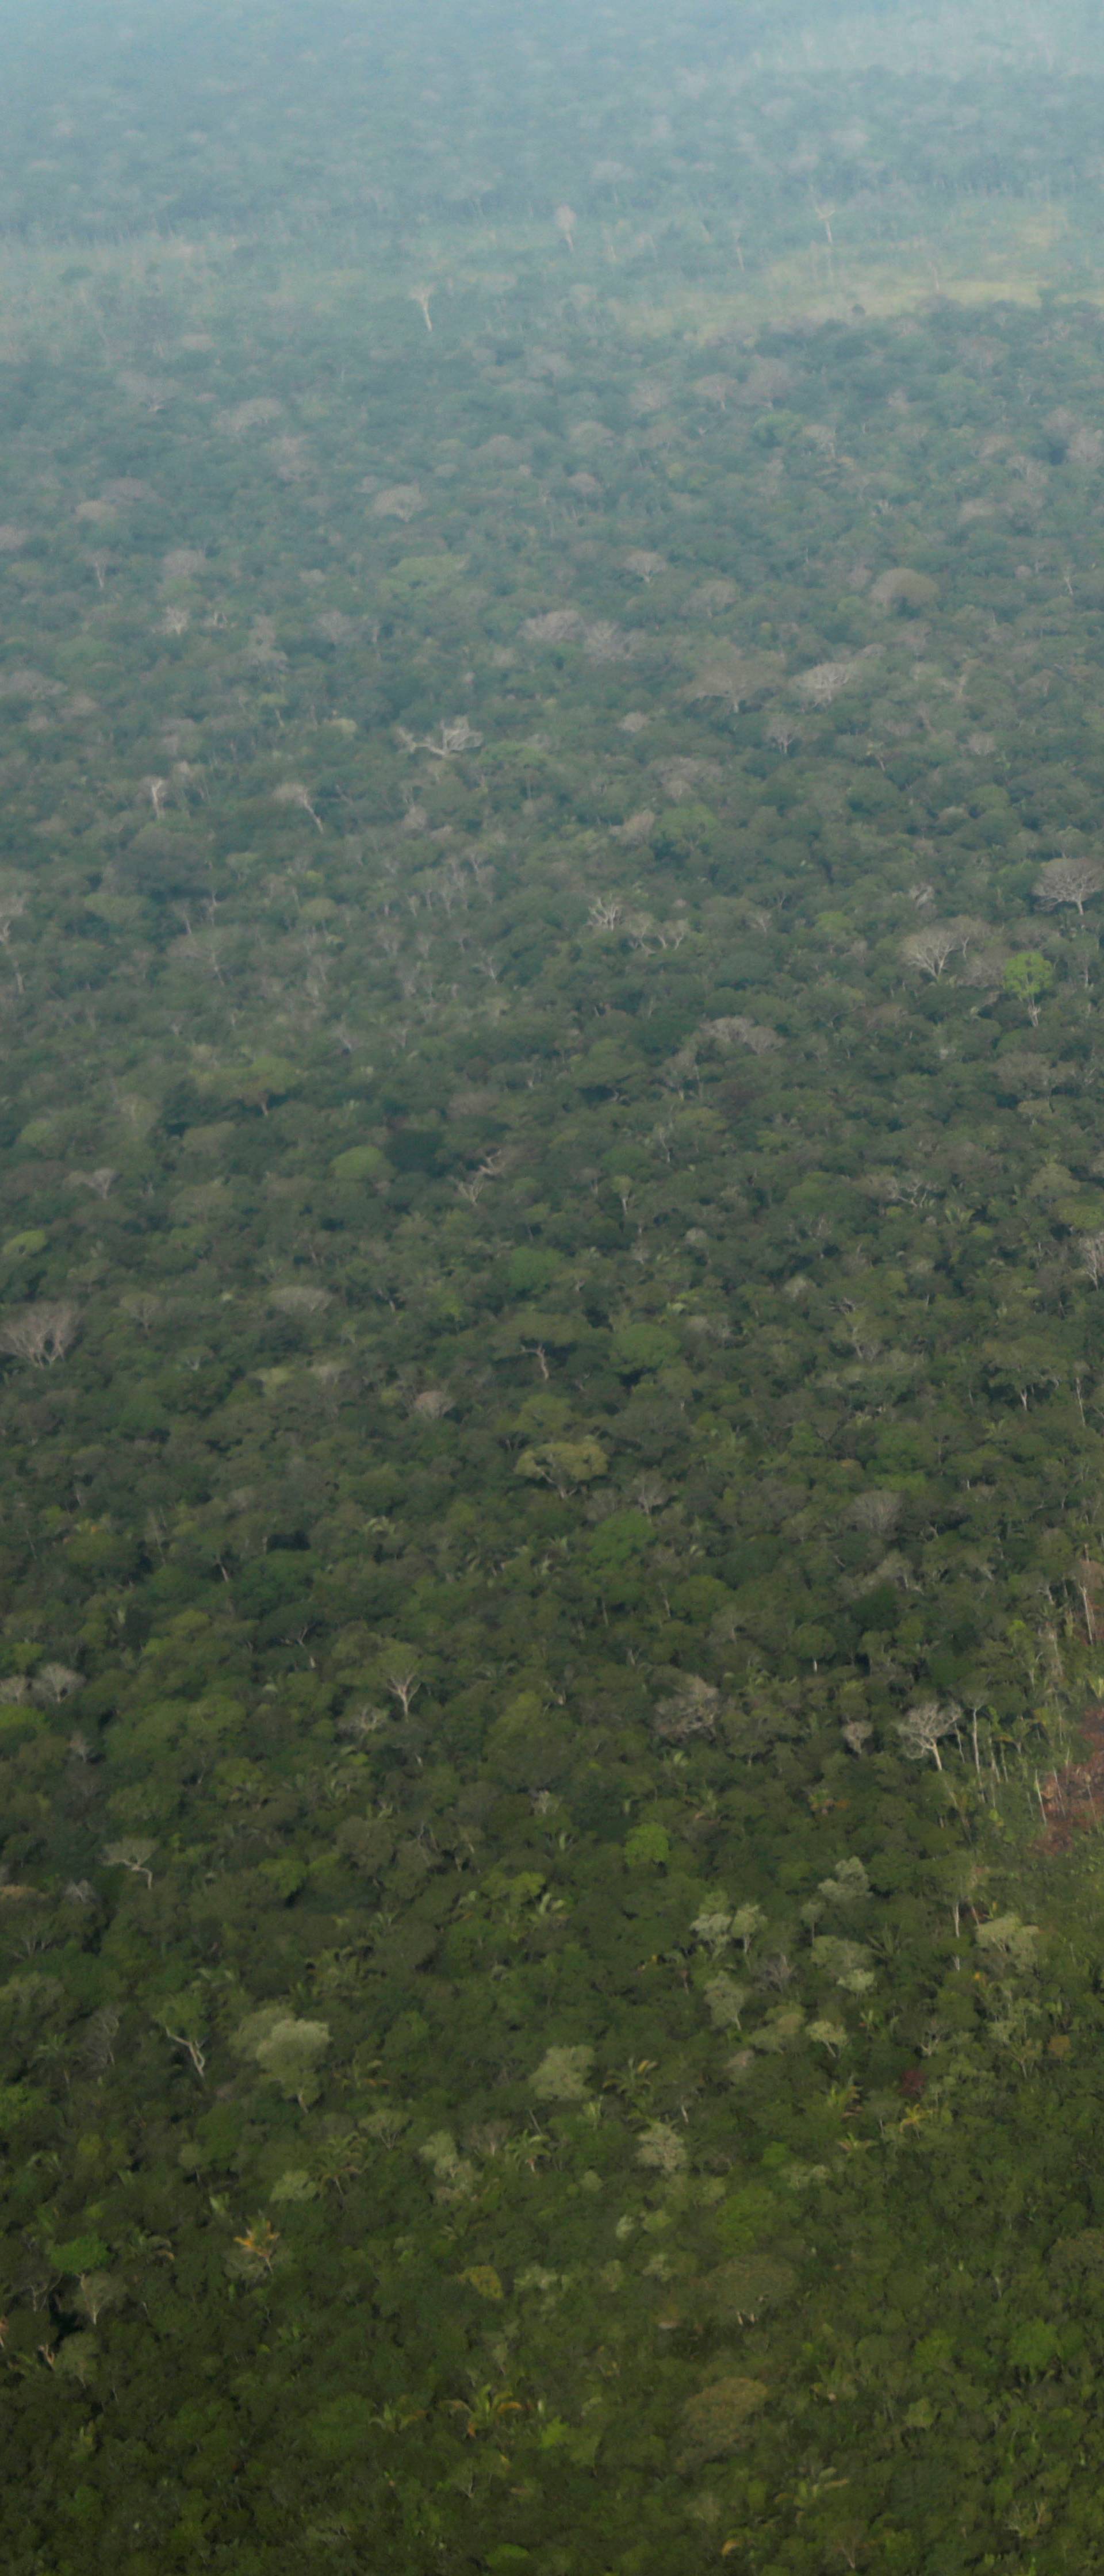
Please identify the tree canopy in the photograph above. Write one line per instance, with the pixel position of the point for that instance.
(551, 1363)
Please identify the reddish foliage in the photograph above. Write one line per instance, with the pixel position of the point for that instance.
(1073, 1798)
(914, 2082)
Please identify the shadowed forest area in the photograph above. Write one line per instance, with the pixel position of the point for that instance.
(551, 1239)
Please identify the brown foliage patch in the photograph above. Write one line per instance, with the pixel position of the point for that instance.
(1073, 1797)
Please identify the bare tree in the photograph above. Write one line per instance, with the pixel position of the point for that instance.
(11, 908)
(457, 735)
(644, 565)
(191, 2048)
(1091, 1249)
(294, 793)
(99, 2031)
(877, 1511)
(605, 912)
(432, 1404)
(40, 1334)
(735, 1029)
(99, 2290)
(824, 682)
(362, 1722)
(923, 1727)
(1069, 880)
(142, 1308)
(693, 1709)
(55, 1682)
(565, 221)
(132, 1855)
(731, 675)
(404, 1683)
(932, 948)
(398, 501)
(856, 1734)
(301, 1298)
(421, 295)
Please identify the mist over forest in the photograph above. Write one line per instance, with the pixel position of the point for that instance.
(551, 1238)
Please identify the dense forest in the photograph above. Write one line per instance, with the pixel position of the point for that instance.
(551, 1346)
